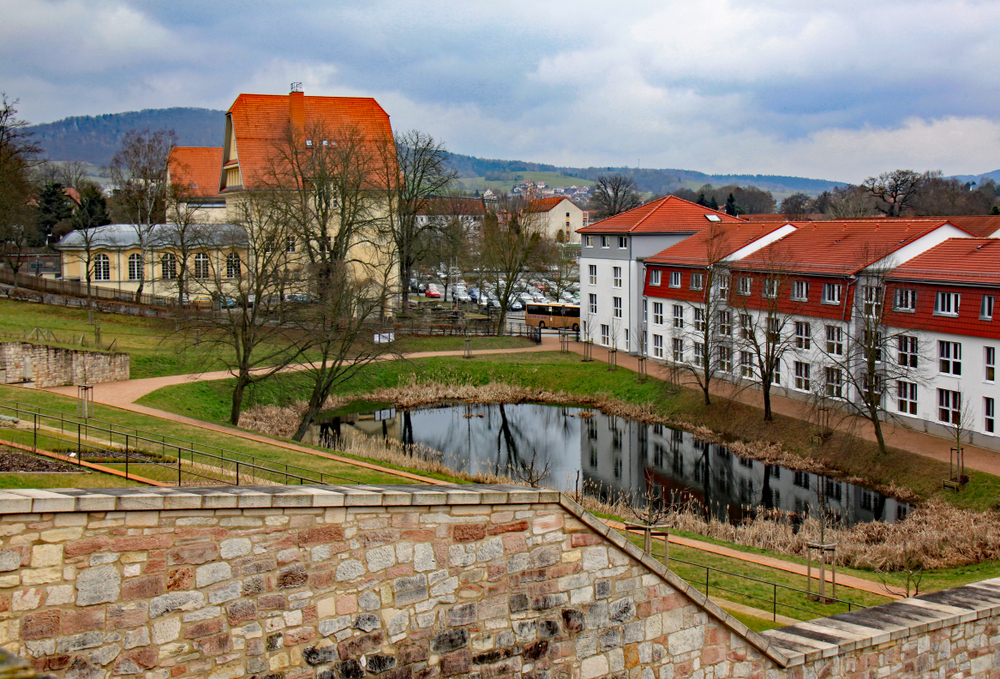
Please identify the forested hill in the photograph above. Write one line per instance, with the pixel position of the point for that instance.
(658, 181)
(94, 139)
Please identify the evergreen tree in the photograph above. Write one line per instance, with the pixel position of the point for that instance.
(701, 200)
(713, 203)
(92, 210)
(53, 207)
(731, 208)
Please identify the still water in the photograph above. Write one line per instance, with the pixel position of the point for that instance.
(609, 456)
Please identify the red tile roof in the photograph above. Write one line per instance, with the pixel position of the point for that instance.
(840, 247)
(196, 170)
(547, 203)
(261, 122)
(666, 215)
(982, 226)
(956, 260)
(720, 243)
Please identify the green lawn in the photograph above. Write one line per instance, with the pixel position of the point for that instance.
(63, 480)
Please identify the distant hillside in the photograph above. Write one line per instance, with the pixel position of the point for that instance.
(648, 179)
(94, 139)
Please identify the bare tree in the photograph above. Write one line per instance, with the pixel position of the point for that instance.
(138, 171)
(414, 170)
(511, 242)
(614, 194)
(795, 206)
(895, 191)
(249, 336)
(90, 213)
(181, 237)
(851, 202)
(17, 157)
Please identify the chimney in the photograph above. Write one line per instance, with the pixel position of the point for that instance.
(297, 109)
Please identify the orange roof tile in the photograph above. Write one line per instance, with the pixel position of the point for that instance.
(261, 121)
(196, 170)
(840, 246)
(665, 215)
(956, 260)
(714, 244)
(546, 204)
(982, 226)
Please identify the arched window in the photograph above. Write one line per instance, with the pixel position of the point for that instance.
(201, 265)
(233, 266)
(102, 268)
(168, 267)
(135, 267)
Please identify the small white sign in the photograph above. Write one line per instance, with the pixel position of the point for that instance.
(385, 337)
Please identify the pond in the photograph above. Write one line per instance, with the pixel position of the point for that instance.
(608, 456)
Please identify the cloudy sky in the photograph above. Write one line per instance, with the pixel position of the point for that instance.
(839, 89)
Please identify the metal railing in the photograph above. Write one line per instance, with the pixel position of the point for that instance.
(144, 455)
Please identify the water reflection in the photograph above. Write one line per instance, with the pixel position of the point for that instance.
(610, 456)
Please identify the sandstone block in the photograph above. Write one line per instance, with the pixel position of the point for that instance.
(97, 585)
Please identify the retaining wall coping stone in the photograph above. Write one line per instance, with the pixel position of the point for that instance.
(893, 621)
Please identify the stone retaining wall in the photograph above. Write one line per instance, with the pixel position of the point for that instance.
(410, 583)
(56, 367)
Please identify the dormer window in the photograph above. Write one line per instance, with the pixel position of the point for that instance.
(326, 143)
(309, 143)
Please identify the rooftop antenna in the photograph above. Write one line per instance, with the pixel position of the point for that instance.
(296, 87)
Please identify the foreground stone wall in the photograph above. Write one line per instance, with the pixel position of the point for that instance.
(55, 367)
(346, 583)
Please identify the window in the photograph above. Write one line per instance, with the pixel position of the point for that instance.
(771, 287)
(605, 334)
(233, 266)
(802, 376)
(678, 316)
(776, 375)
(592, 274)
(746, 364)
(201, 265)
(290, 244)
(135, 267)
(947, 303)
(989, 415)
(725, 358)
(905, 300)
(645, 311)
(831, 293)
(906, 397)
(593, 304)
(168, 266)
(746, 285)
(655, 278)
(622, 242)
(725, 324)
(723, 282)
(675, 279)
(626, 338)
(657, 346)
(872, 345)
(834, 340)
(102, 268)
(697, 281)
(986, 308)
(990, 363)
(774, 326)
(605, 241)
(949, 406)
(617, 304)
(699, 319)
(699, 353)
(800, 291)
(950, 358)
(678, 349)
(746, 326)
(616, 275)
(803, 335)
(907, 351)
(658, 313)
(589, 241)
(834, 382)
(801, 479)
(873, 300)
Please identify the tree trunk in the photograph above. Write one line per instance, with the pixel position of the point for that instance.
(241, 383)
(316, 401)
(766, 389)
(877, 423)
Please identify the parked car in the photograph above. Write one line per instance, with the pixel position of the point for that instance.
(515, 305)
(432, 292)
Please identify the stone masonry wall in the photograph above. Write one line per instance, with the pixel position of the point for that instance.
(341, 583)
(54, 366)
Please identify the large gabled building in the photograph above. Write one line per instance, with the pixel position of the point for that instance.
(611, 264)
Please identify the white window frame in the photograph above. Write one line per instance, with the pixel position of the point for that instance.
(906, 397)
(592, 274)
(589, 241)
(616, 276)
(986, 308)
(605, 242)
(136, 267)
(102, 268)
(605, 334)
(834, 382)
(234, 267)
(949, 357)
(834, 340)
(831, 293)
(725, 353)
(623, 242)
(592, 303)
(168, 266)
(803, 335)
(747, 364)
(725, 324)
(616, 305)
(802, 376)
(699, 319)
(989, 364)
(722, 282)
(658, 346)
(989, 414)
(905, 300)
(675, 279)
(771, 288)
(908, 351)
(202, 266)
(697, 281)
(949, 406)
(655, 277)
(873, 301)
(677, 349)
(800, 291)
(657, 313)
(746, 285)
(678, 316)
(947, 303)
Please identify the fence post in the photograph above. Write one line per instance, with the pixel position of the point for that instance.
(79, 446)
(34, 434)
(126, 456)
(774, 604)
(706, 580)
(178, 466)
(237, 472)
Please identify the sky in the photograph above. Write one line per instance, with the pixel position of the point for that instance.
(839, 89)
